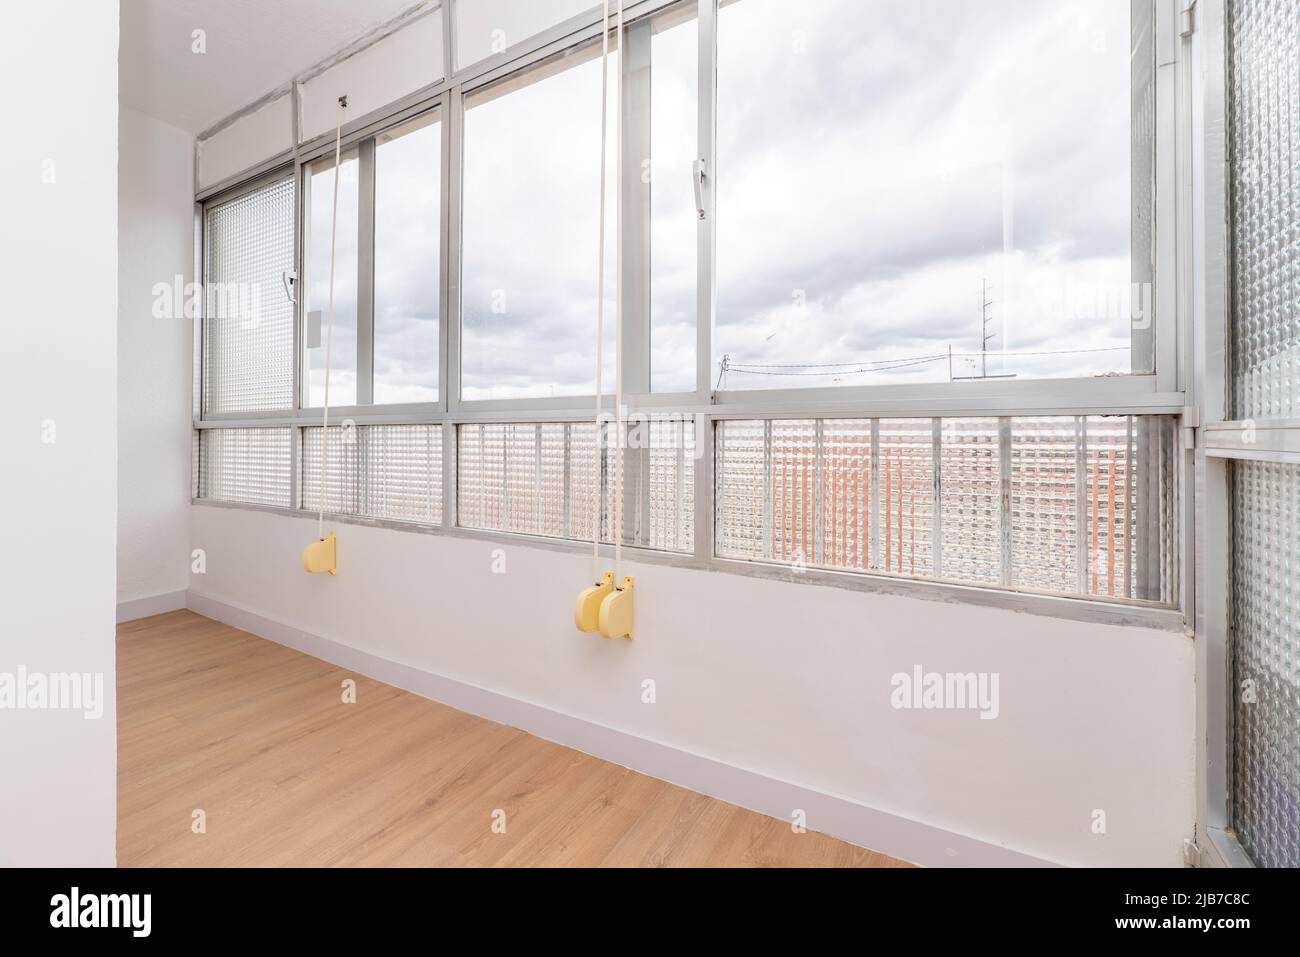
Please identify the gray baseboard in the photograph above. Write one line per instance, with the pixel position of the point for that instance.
(838, 816)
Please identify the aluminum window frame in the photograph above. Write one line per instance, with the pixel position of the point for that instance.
(1165, 390)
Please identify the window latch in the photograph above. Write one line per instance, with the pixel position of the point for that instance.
(699, 171)
(1191, 424)
(288, 279)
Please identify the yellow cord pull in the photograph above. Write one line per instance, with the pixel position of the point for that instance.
(616, 611)
(586, 613)
(321, 556)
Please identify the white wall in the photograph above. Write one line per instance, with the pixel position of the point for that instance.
(787, 679)
(58, 247)
(154, 355)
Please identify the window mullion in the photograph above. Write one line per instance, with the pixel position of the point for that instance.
(366, 273)
(936, 501)
(707, 148)
(449, 338)
(1004, 495)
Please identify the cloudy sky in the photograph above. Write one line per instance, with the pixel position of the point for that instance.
(878, 163)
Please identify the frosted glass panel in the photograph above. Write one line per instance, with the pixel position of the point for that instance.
(1266, 661)
(1264, 138)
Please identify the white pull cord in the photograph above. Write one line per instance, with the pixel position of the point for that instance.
(598, 500)
(329, 333)
(618, 310)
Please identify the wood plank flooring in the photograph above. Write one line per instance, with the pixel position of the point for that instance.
(255, 736)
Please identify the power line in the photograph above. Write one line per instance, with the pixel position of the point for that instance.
(900, 364)
(885, 365)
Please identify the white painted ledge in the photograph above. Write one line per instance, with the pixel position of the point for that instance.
(838, 816)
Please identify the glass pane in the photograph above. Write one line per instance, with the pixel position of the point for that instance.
(674, 81)
(897, 182)
(247, 350)
(343, 351)
(408, 203)
(531, 195)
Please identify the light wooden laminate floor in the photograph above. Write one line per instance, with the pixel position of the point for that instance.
(255, 736)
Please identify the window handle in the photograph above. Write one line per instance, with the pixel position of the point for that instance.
(287, 279)
(699, 170)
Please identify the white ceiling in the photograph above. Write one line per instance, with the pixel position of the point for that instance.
(253, 46)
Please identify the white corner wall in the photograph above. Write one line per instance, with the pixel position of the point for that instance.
(785, 679)
(154, 354)
(58, 387)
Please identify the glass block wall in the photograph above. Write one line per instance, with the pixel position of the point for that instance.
(375, 471)
(1264, 235)
(551, 478)
(1264, 140)
(250, 466)
(1069, 505)
(1266, 661)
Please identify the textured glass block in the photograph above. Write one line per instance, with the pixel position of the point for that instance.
(248, 318)
(376, 471)
(743, 516)
(1265, 653)
(1086, 505)
(1110, 505)
(1045, 497)
(794, 496)
(250, 466)
(1264, 142)
(544, 479)
(970, 493)
(340, 465)
(668, 497)
(845, 521)
(904, 533)
(586, 480)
